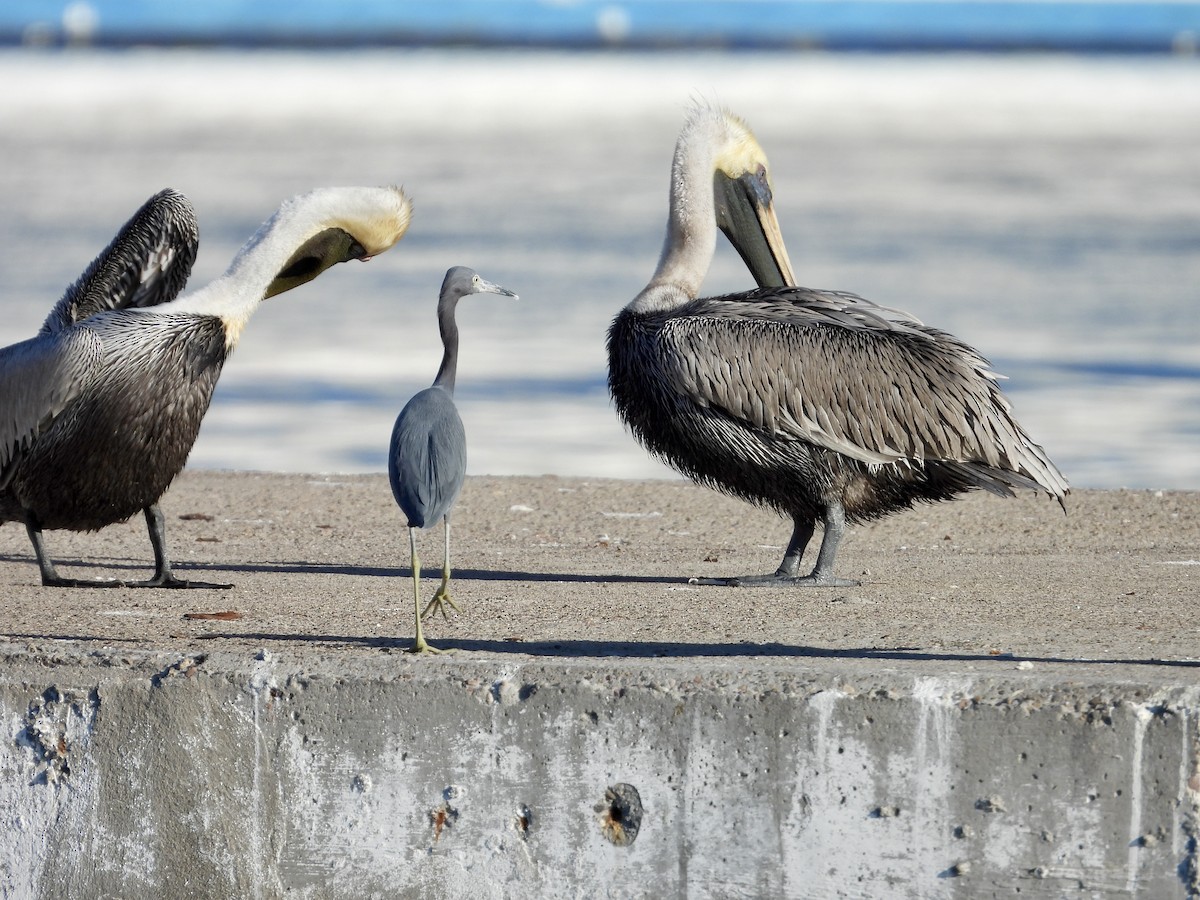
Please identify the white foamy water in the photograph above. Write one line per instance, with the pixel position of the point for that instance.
(1046, 209)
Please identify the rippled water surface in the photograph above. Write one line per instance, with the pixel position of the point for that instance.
(1044, 208)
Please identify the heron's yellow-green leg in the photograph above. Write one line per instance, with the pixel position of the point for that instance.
(419, 644)
(442, 597)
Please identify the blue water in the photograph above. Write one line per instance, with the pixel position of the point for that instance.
(836, 24)
(1043, 208)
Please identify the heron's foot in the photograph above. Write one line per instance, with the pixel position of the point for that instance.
(168, 580)
(439, 602)
(779, 579)
(421, 646)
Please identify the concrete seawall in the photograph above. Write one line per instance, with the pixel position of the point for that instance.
(228, 776)
(290, 748)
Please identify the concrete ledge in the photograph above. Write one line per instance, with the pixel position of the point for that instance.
(222, 775)
(1007, 705)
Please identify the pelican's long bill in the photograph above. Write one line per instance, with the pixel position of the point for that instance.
(341, 224)
(746, 214)
(314, 256)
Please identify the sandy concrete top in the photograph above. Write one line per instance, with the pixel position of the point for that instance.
(551, 568)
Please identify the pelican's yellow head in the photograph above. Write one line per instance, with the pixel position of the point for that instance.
(744, 197)
(339, 224)
(739, 151)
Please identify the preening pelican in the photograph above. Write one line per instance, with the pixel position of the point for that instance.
(427, 458)
(147, 263)
(819, 404)
(99, 411)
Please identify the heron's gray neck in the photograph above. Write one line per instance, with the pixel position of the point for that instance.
(691, 237)
(449, 330)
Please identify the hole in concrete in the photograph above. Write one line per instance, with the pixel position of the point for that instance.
(958, 870)
(523, 821)
(442, 818)
(620, 814)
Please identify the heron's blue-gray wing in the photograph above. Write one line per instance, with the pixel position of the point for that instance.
(146, 264)
(840, 372)
(39, 379)
(428, 457)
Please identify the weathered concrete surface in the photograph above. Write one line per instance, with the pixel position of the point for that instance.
(142, 775)
(1009, 703)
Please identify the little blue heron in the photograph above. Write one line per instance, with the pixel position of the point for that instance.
(428, 456)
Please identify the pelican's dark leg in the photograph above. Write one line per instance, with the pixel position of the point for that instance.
(50, 576)
(419, 644)
(442, 597)
(163, 576)
(802, 533)
(822, 575)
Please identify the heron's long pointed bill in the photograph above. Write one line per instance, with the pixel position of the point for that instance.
(314, 256)
(746, 214)
(490, 287)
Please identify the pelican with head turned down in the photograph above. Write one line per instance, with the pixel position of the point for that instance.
(818, 404)
(99, 411)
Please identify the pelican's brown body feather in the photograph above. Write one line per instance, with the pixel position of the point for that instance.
(791, 398)
(138, 393)
(95, 406)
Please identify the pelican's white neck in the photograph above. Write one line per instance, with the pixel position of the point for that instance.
(235, 295)
(691, 237)
(375, 217)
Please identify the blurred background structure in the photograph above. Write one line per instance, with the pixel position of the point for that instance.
(1124, 25)
(1024, 174)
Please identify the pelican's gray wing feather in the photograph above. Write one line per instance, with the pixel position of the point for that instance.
(840, 372)
(147, 263)
(39, 379)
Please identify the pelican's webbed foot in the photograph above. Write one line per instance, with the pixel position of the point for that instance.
(49, 574)
(779, 579)
(168, 580)
(56, 581)
(786, 575)
(163, 576)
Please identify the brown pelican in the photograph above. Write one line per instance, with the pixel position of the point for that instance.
(819, 404)
(99, 411)
(427, 457)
